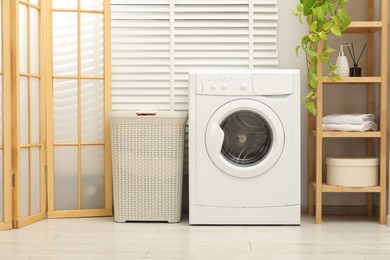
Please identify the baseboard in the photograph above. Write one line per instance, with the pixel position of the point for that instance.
(344, 210)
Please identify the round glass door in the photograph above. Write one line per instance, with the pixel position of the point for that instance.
(247, 138)
(244, 138)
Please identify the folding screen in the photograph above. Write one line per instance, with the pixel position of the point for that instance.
(5, 117)
(28, 157)
(77, 103)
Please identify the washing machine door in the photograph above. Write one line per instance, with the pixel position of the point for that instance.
(244, 138)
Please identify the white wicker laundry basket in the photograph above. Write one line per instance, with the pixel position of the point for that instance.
(147, 160)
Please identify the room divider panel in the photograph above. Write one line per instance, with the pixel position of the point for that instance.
(79, 174)
(5, 121)
(54, 101)
(28, 151)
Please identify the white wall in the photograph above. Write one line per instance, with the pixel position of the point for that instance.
(290, 32)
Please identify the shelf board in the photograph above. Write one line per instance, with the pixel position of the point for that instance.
(330, 188)
(353, 80)
(361, 27)
(330, 134)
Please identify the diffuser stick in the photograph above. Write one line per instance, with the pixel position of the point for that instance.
(361, 53)
(349, 50)
(354, 57)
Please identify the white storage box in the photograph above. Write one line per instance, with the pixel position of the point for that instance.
(352, 172)
(147, 161)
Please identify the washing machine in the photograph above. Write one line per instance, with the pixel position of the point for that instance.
(244, 147)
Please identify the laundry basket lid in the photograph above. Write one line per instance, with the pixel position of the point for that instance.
(146, 113)
(362, 161)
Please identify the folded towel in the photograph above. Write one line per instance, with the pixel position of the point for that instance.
(347, 118)
(366, 126)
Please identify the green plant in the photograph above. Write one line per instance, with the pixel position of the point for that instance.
(324, 17)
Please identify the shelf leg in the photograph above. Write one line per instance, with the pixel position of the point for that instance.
(369, 204)
(318, 206)
(382, 210)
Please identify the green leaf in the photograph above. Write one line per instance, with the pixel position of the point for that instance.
(344, 18)
(294, 13)
(335, 29)
(323, 36)
(305, 40)
(335, 19)
(343, 2)
(329, 49)
(319, 13)
(313, 26)
(313, 76)
(311, 107)
(297, 49)
(324, 57)
(314, 37)
(308, 6)
(300, 18)
(300, 7)
(310, 52)
(313, 83)
(337, 77)
(327, 26)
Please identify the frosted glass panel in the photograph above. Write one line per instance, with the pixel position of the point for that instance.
(92, 44)
(92, 115)
(34, 108)
(65, 178)
(65, 43)
(23, 112)
(65, 106)
(24, 183)
(1, 187)
(1, 109)
(91, 4)
(34, 40)
(23, 38)
(34, 2)
(92, 168)
(72, 4)
(35, 180)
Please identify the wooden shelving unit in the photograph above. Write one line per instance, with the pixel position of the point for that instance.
(316, 187)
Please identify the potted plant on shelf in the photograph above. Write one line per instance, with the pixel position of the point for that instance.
(324, 17)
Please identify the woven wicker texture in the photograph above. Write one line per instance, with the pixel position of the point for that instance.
(147, 159)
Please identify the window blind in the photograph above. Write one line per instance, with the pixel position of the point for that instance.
(155, 43)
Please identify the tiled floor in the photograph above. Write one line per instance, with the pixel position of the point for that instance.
(343, 237)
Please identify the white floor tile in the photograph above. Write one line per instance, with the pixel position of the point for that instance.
(346, 237)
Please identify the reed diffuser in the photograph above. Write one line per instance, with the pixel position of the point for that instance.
(355, 71)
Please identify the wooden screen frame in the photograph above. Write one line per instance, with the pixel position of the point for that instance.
(17, 219)
(6, 223)
(107, 211)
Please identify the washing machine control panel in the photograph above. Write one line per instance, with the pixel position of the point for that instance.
(224, 84)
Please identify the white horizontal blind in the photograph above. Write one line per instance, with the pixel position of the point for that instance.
(155, 43)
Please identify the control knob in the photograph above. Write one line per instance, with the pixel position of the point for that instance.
(244, 86)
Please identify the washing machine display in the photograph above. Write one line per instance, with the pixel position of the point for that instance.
(244, 147)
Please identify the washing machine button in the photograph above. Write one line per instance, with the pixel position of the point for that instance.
(213, 86)
(244, 86)
(224, 86)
